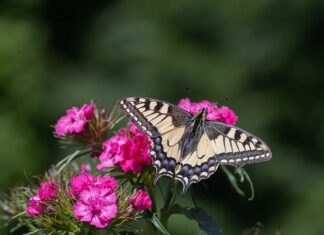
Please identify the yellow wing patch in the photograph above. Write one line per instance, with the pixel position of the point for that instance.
(170, 142)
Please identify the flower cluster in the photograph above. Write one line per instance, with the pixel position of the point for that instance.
(87, 126)
(129, 148)
(74, 121)
(97, 200)
(214, 113)
(37, 203)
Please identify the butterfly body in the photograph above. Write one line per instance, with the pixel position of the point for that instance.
(190, 147)
(193, 132)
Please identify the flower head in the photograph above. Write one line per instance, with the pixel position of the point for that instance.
(81, 182)
(129, 149)
(226, 115)
(74, 121)
(85, 181)
(141, 200)
(96, 206)
(37, 203)
(223, 114)
(47, 191)
(36, 206)
(106, 182)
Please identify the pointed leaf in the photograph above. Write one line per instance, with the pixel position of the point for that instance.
(233, 180)
(156, 222)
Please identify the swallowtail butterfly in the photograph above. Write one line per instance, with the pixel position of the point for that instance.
(189, 147)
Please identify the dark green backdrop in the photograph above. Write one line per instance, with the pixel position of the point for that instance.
(262, 58)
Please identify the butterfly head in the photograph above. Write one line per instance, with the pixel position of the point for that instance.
(202, 115)
(200, 118)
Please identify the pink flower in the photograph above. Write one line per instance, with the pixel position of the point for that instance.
(74, 121)
(87, 110)
(141, 200)
(226, 115)
(36, 206)
(96, 207)
(114, 150)
(129, 149)
(47, 191)
(81, 182)
(106, 182)
(223, 114)
(85, 181)
(185, 104)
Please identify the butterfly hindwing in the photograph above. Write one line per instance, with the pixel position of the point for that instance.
(167, 152)
(197, 165)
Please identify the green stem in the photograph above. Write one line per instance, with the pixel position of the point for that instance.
(151, 228)
(245, 174)
(174, 195)
(152, 194)
(193, 199)
(166, 210)
(232, 180)
(161, 191)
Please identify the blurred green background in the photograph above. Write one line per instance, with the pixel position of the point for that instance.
(263, 58)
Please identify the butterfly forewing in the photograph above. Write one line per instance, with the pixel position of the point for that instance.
(188, 157)
(235, 146)
(165, 124)
(152, 116)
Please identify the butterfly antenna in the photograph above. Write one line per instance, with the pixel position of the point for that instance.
(188, 91)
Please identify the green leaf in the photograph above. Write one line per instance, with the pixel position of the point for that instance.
(245, 175)
(156, 222)
(67, 160)
(205, 222)
(232, 179)
(33, 232)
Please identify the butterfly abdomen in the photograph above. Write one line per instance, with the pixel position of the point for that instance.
(190, 140)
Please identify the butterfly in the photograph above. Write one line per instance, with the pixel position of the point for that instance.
(188, 147)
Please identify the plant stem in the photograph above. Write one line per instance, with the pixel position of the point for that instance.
(151, 228)
(162, 193)
(166, 210)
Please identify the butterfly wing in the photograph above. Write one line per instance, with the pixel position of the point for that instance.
(165, 124)
(220, 144)
(235, 146)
